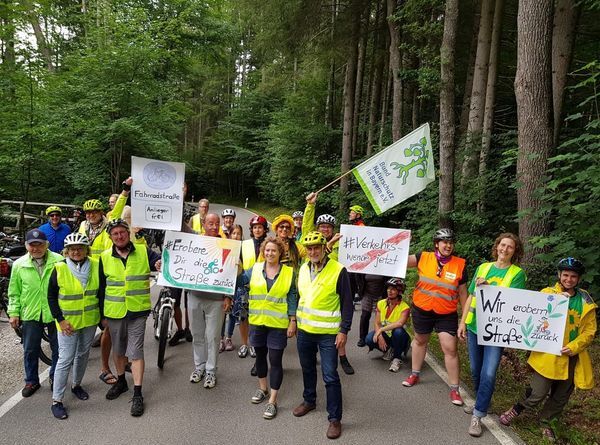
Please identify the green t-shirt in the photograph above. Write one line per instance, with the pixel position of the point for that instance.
(494, 278)
(575, 311)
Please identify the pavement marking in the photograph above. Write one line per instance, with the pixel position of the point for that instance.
(10, 403)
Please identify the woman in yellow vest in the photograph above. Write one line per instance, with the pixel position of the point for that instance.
(272, 315)
(294, 252)
(506, 251)
(73, 301)
(392, 315)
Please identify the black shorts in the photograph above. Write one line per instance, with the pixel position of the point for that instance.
(272, 338)
(425, 322)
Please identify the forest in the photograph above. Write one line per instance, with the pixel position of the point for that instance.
(269, 100)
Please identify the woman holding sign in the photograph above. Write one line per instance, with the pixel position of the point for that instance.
(506, 251)
(272, 315)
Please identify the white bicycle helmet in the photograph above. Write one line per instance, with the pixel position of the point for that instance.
(297, 214)
(228, 212)
(326, 219)
(76, 239)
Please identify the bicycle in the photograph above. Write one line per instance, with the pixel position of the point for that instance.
(163, 314)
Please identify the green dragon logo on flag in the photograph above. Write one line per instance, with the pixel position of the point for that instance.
(419, 151)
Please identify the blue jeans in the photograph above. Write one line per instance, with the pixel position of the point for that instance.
(484, 364)
(308, 344)
(32, 344)
(399, 341)
(73, 351)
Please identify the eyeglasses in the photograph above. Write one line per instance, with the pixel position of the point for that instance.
(286, 227)
(54, 215)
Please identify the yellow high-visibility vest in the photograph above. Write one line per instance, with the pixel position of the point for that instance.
(269, 308)
(79, 306)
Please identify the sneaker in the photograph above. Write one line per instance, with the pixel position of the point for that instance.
(388, 354)
(346, 366)
(30, 389)
(210, 380)
(508, 416)
(116, 390)
(270, 411)
(59, 411)
(197, 375)
(395, 366)
(188, 335)
(548, 434)
(259, 396)
(253, 371)
(455, 398)
(80, 393)
(179, 335)
(475, 427)
(468, 409)
(137, 406)
(252, 351)
(229, 345)
(411, 380)
(221, 345)
(361, 343)
(243, 351)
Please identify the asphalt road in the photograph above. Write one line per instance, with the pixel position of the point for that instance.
(377, 408)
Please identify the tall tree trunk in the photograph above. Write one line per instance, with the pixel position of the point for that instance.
(447, 142)
(490, 91)
(42, 44)
(395, 66)
(475, 126)
(566, 17)
(8, 65)
(375, 92)
(360, 70)
(387, 81)
(330, 102)
(533, 91)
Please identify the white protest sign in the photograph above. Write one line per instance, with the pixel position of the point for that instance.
(157, 193)
(521, 319)
(198, 262)
(374, 250)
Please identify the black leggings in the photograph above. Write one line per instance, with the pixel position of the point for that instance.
(275, 360)
(365, 317)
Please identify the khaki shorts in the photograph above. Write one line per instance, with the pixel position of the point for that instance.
(128, 336)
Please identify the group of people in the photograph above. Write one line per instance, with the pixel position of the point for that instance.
(289, 284)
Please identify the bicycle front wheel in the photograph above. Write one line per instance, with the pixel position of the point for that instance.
(162, 337)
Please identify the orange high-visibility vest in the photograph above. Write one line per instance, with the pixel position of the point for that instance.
(438, 294)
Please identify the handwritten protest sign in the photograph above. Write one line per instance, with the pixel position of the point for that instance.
(157, 193)
(521, 319)
(374, 250)
(198, 262)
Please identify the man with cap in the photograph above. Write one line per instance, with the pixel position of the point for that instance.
(124, 297)
(356, 215)
(28, 305)
(55, 230)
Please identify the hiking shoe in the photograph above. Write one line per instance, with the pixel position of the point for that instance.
(137, 406)
(388, 354)
(229, 345)
(395, 365)
(197, 375)
(59, 411)
(475, 427)
(80, 393)
(508, 416)
(259, 396)
(411, 380)
(335, 429)
(361, 343)
(346, 366)
(30, 389)
(253, 371)
(188, 335)
(455, 398)
(116, 390)
(548, 433)
(243, 351)
(179, 335)
(221, 345)
(252, 351)
(210, 380)
(468, 409)
(270, 411)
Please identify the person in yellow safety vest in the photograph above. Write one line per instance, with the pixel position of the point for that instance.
(124, 296)
(73, 301)
(555, 377)
(294, 252)
(392, 315)
(326, 225)
(506, 251)
(442, 283)
(272, 314)
(324, 317)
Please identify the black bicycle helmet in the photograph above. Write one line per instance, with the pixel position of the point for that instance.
(572, 264)
(398, 283)
(444, 235)
(115, 223)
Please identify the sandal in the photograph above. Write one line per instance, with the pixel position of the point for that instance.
(108, 377)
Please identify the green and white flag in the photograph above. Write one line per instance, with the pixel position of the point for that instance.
(398, 172)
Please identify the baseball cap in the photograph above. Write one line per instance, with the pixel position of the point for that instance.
(35, 236)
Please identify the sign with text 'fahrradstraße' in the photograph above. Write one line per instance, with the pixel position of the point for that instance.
(157, 193)
(374, 250)
(521, 319)
(199, 262)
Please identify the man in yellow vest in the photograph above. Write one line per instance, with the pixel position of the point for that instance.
(197, 221)
(124, 297)
(324, 318)
(441, 285)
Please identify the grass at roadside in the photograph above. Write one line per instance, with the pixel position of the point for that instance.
(266, 209)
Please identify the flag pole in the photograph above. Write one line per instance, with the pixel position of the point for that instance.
(334, 181)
